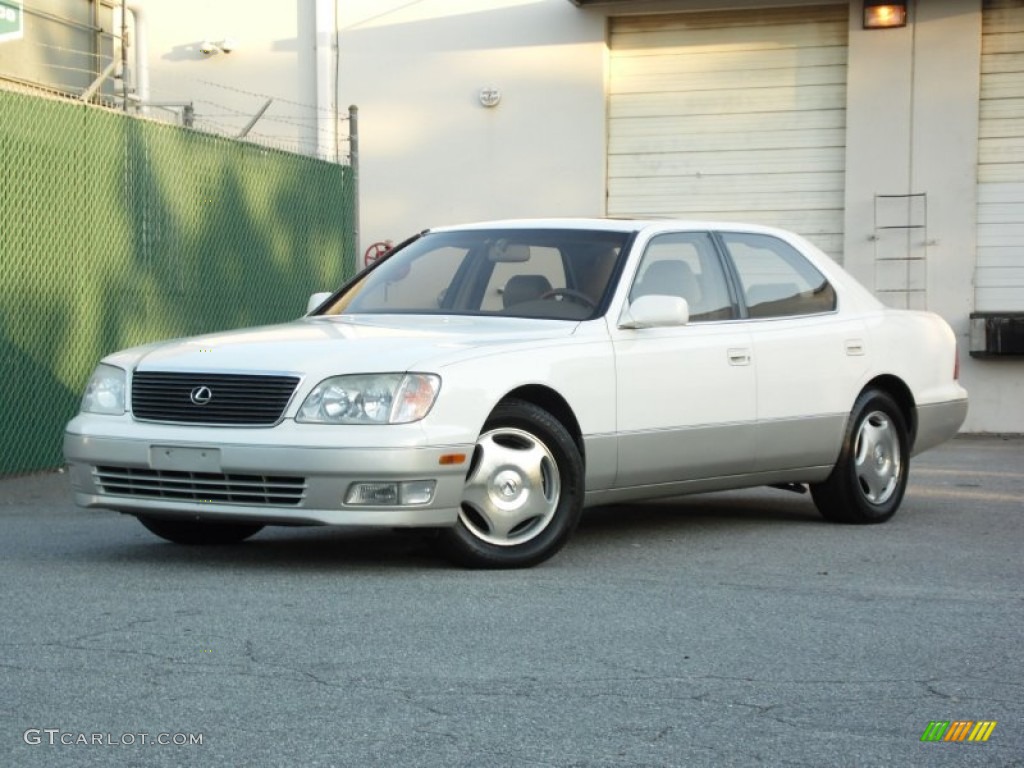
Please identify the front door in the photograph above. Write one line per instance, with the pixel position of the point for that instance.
(686, 399)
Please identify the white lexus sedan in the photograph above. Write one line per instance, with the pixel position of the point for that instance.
(491, 381)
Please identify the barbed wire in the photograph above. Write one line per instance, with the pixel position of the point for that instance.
(371, 19)
(301, 121)
(235, 89)
(81, 68)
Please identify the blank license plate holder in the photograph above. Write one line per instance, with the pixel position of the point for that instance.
(179, 459)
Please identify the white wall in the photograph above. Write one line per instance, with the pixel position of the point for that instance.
(228, 89)
(431, 154)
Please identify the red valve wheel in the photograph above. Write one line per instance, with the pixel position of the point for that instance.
(376, 251)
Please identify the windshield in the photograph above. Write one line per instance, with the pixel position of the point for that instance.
(544, 273)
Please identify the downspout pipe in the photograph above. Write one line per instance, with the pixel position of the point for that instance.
(326, 104)
(140, 40)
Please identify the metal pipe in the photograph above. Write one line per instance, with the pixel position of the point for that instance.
(95, 50)
(188, 110)
(89, 92)
(255, 118)
(141, 42)
(353, 161)
(326, 117)
(307, 75)
(124, 54)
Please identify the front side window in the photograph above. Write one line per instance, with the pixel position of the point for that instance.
(541, 273)
(776, 279)
(685, 264)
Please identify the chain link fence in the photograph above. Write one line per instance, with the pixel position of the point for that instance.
(116, 231)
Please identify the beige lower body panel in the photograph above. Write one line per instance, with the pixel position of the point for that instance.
(937, 423)
(706, 485)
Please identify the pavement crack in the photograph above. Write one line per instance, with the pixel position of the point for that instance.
(935, 691)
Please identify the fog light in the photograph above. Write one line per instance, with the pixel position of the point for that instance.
(411, 493)
(372, 493)
(417, 492)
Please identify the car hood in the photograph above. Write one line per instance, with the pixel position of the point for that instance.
(347, 344)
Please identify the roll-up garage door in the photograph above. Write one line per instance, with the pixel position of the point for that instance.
(737, 115)
(999, 281)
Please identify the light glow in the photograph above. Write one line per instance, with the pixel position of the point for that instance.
(885, 16)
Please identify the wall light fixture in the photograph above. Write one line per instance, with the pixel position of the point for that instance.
(879, 14)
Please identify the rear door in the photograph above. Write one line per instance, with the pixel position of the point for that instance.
(809, 355)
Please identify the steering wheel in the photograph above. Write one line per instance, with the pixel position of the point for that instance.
(569, 293)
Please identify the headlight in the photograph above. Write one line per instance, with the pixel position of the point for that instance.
(105, 391)
(387, 398)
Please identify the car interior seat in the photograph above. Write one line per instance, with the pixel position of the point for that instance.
(521, 288)
(669, 278)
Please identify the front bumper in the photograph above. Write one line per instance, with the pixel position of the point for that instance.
(266, 483)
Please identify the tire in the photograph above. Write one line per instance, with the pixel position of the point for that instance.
(870, 477)
(194, 532)
(524, 491)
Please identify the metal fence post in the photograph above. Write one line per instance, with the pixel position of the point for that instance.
(353, 161)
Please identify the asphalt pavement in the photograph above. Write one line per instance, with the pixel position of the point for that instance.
(733, 629)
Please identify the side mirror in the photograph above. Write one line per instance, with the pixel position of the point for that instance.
(656, 311)
(316, 300)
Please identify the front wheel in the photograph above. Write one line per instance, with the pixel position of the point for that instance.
(524, 491)
(870, 476)
(196, 532)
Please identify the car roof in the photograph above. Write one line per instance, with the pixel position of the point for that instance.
(616, 225)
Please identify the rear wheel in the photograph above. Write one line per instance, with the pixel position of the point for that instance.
(870, 476)
(195, 532)
(524, 491)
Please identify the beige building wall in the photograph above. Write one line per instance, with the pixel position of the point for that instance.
(912, 127)
(228, 87)
(432, 153)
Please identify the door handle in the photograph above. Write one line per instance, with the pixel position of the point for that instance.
(739, 356)
(854, 347)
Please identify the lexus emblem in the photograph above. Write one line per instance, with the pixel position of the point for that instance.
(201, 395)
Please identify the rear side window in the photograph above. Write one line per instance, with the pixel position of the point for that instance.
(776, 279)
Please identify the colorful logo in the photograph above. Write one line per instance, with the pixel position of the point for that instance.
(958, 730)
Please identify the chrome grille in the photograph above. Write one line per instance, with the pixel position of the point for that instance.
(271, 490)
(244, 400)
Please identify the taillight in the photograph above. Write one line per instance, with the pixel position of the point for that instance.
(956, 364)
